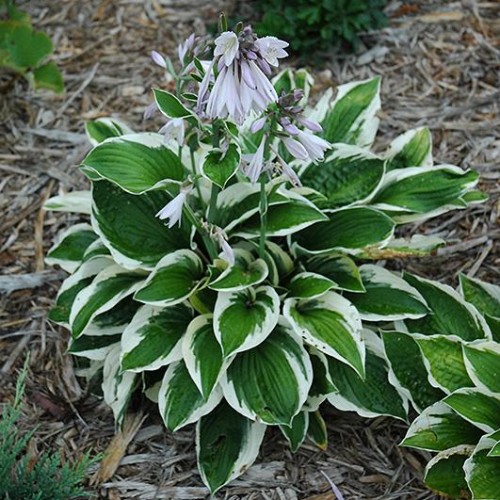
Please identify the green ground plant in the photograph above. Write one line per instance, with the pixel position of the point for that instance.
(231, 268)
(27, 477)
(25, 51)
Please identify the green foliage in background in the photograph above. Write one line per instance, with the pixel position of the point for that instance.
(40, 477)
(313, 26)
(25, 51)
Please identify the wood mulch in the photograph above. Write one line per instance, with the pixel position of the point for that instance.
(440, 65)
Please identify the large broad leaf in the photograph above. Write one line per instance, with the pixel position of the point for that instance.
(227, 444)
(243, 319)
(331, 324)
(411, 149)
(95, 347)
(482, 471)
(203, 354)
(270, 382)
(220, 166)
(352, 118)
(420, 192)
(282, 219)
(79, 202)
(297, 431)
(309, 285)
(322, 384)
(482, 360)
(153, 337)
(370, 396)
(245, 272)
(444, 360)
(240, 201)
(136, 162)
(445, 472)
(350, 230)
(127, 225)
(105, 128)
(486, 298)
(179, 400)
(108, 288)
(479, 407)
(418, 245)
(339, 268)
(70, 247)
(316, 431)
(451, 315)
(349, 175)
(408, 371)
(387, 297)
(74, 284)
(173, 279)
(439, 428)
(117, 386)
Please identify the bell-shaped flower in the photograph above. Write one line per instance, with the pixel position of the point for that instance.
(256, 164)
(173, 130)
(158, 59)
(227, 252)
(271, 49)
(314, 145)
(295, 148)
(173, 209)
(227, 45)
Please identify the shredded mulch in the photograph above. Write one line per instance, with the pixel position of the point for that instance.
(440, 65)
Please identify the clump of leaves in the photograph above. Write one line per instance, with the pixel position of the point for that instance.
(315, 26)
(27, 477)
(25, 51)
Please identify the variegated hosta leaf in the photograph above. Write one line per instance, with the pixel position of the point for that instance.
(117, 386)
(282, 219)
(179, 400)
(136, 162)
(105, 128)
(370, 396)
(94, 347)
(96, 249)
(153, 337)
(418, 193)
(482, 471)
(227, 444)
(108, 288)
(127, 225)
(322, 384)
(408, 371)
(352, 118)
(331, 324)
(70, 247)
(240, 201)
(282, 260)
(339, 268)
(495, 448)
(114, 320)
(349, 175)
(418, 245)
(297, 431)
(387, 297)
(482, 360)
(349, 230)
(270, 382)
(439, 428)
(220, 166)
(451, 315)
(309, 285)
(316, 431)
(72, 285)
(411, 149)
(479, 407)
(170, 106)
(486, 298)
(79, 202)
(444, 360)
(243, 319)
(173, 280)
(245, 272)
(203, 354)
(445, 472)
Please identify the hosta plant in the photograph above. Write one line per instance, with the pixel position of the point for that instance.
(229, 267)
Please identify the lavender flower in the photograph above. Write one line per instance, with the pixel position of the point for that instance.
(227, 252)
(173, 130)
(173, 209)
(295, 148)
(314, 145)
(271, 49)
(158, 59)
(256, 164)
